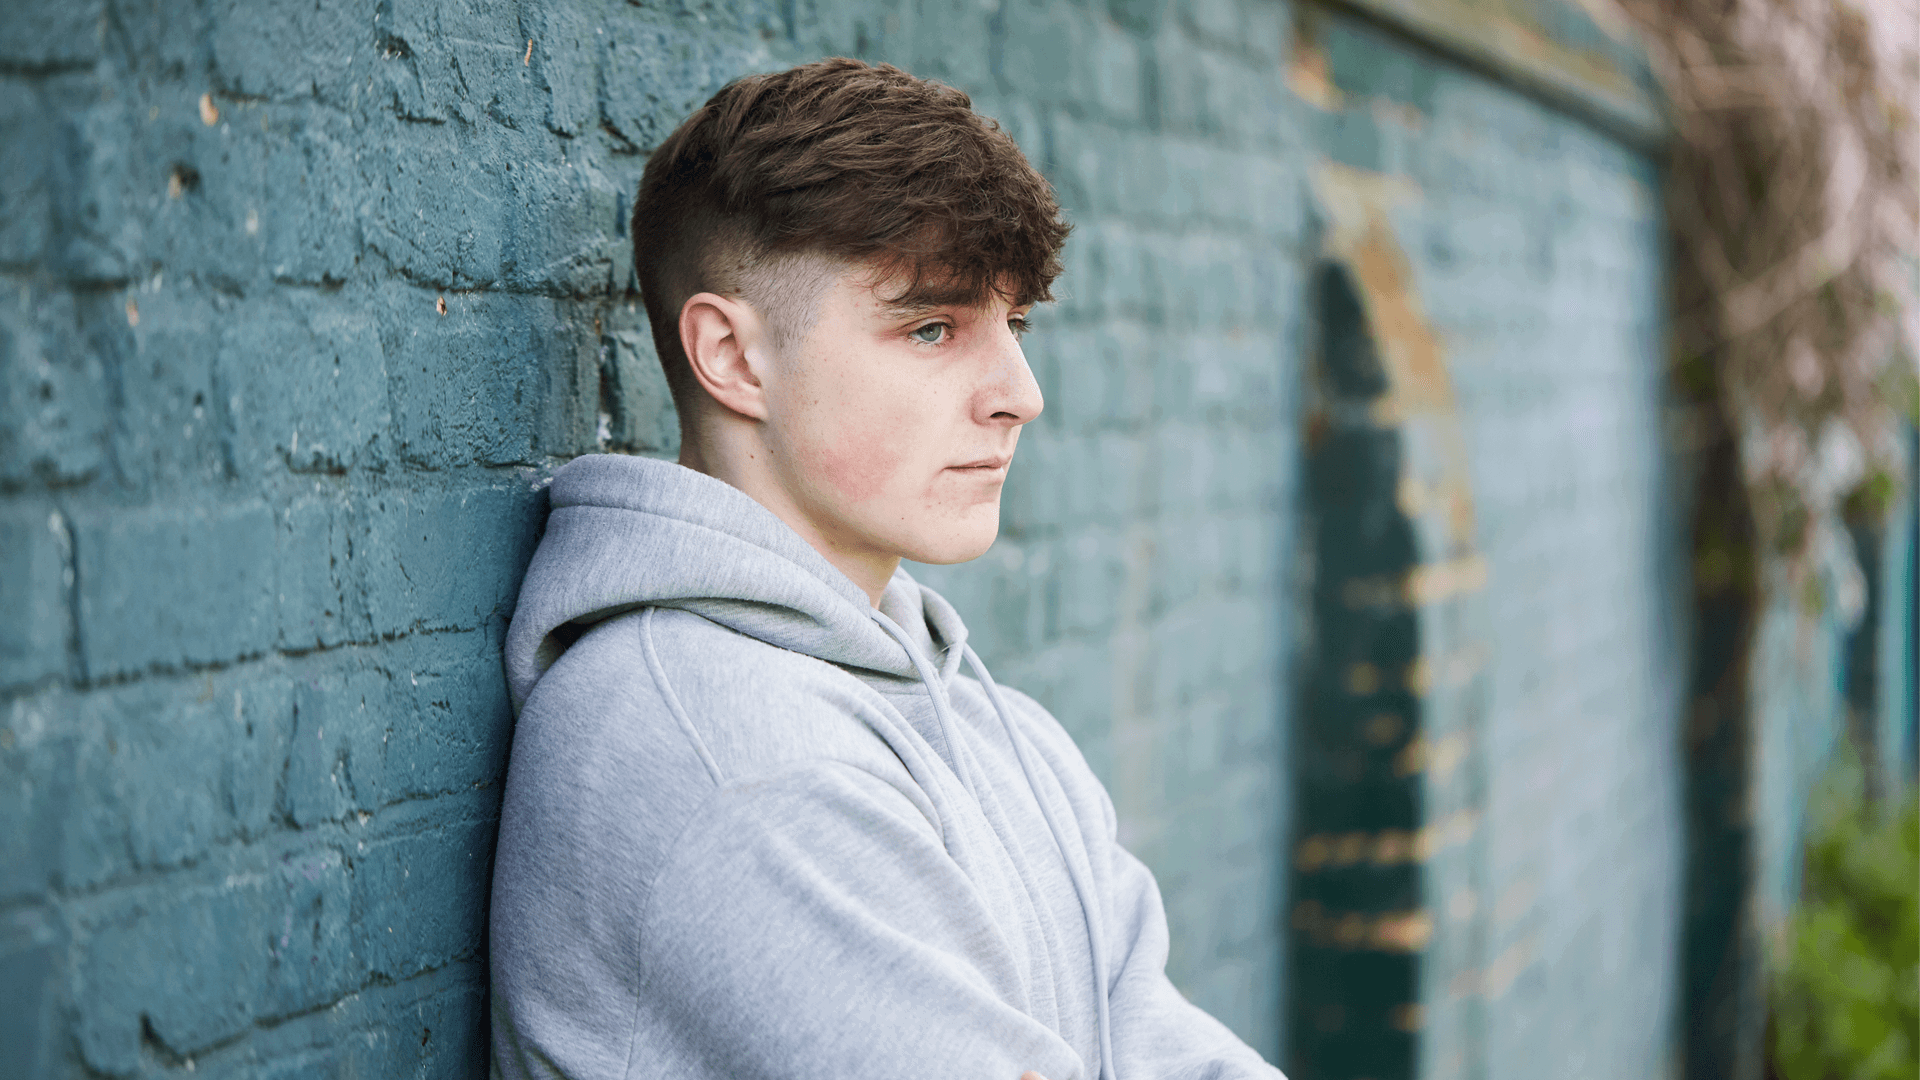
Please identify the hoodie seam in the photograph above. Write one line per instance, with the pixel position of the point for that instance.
(670, 861)
(659, 673)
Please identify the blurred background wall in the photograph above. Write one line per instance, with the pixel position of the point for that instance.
(1351, 545)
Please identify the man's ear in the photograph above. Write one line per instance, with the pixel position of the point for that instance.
(723, 341)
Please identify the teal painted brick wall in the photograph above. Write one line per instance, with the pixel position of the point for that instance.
(266, 509)
(1536, 250)
(263, 506)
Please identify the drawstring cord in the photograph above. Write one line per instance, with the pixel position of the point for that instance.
(931, 679)
(1082, 888)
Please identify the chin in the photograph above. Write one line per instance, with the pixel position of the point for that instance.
(957, 541)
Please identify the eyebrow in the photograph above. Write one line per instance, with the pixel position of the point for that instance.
(933, 291)
(910, 307)
(927, 301)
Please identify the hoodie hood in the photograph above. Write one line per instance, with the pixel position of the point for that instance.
(630, 532)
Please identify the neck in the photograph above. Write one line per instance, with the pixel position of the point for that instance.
(735, 454)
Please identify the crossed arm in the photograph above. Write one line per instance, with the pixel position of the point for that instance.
(864, 951)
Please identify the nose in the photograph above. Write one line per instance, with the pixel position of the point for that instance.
(1010, 396)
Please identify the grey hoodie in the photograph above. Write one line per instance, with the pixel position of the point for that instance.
(754, 828)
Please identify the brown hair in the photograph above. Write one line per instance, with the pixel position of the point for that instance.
(853, 162)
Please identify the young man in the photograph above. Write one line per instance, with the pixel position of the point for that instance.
(757, 822)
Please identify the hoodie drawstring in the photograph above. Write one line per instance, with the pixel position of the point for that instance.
(930, 679)
(1082, 888)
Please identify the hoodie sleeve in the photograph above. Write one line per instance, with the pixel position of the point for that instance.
(810, 924)
(1157, 1033)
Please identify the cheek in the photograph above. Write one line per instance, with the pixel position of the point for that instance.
(860, 460)
(861, 447)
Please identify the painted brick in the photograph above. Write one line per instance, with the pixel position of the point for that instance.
(639, 409)
(469, 386)
(336, 763)
(195, 966)
(35, 572)
(419, 899)
(319, 598)
(1119, 77)
(1047, 61)
(445, 560)
(50, 34)
(307, 389)
(286, 49)
(28, 227)
(37, 799)
(89, 162)
(171, 586)
(31, 948)
(53, 388)
(656, 74)
(86, 801)
(225, 213)
(426, 51)
(180, 432)
(452, 719)
(1219, 22)
(219, 750)
(433, 1027)
(59, 789)
(461, 177)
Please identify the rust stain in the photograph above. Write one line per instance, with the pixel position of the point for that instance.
(1311, 77)
(1434, 582)
(1423, 585)
(1394, 847)
(1403, 932)
(1439, 758)
(1408, 345)
(1394, 931)
(1359, 206)
(1438, 836)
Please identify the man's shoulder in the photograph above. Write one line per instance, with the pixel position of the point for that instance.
(677, 683)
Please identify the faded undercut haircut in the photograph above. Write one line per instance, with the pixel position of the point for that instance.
(779, 178)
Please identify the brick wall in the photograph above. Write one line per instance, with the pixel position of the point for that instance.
(1534, 245)
(300, 303)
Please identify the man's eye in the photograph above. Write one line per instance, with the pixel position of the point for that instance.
(1019, 326)
(933, 333)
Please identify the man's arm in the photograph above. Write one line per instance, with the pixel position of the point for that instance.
(1156, 1030)
(1157, 1033)
(812, 925)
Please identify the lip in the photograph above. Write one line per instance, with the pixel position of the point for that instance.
(992, 464)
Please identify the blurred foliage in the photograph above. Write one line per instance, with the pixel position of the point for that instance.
(1793, 195)
(1846, 993)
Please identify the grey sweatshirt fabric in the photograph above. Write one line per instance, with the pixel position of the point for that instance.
(752, 830)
